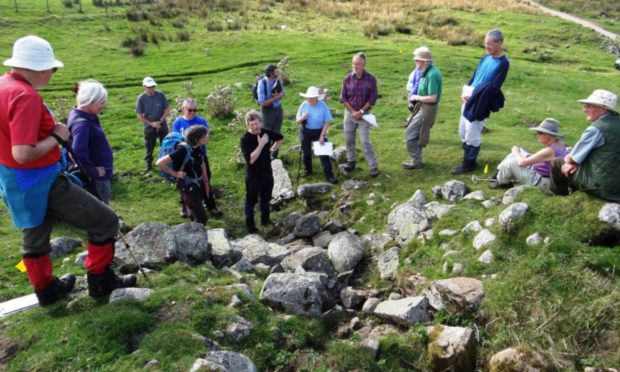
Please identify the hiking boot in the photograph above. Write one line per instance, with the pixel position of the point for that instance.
(350, 166)
(331, 179)
(266, 223)
(250, 226)
(217, 212)
(463, 169)
(411, 166)
(57, 289)
(101, 285)
(307, 174)
(374, 172)
(183, 213)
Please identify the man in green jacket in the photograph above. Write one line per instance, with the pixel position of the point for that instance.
(592, 164)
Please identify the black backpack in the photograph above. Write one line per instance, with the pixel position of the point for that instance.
(255, 88)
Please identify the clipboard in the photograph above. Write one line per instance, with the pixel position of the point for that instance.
(326, 150)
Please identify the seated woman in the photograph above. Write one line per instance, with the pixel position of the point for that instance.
(532, 169)
(314, 117)
(189, 174)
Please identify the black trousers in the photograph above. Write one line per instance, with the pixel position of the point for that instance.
(150, 140)
(307, 137)
(192, 196)
(255, 188)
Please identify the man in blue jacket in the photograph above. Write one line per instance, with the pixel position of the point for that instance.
(480, 97)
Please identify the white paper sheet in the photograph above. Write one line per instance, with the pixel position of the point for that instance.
(326, 150)
(370, 119)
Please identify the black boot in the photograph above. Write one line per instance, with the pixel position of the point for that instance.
(470, 155)
(250, 225)
(57, 289)
(350, 166)
(101, 285)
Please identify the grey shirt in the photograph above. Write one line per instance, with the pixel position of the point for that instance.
(152, 107)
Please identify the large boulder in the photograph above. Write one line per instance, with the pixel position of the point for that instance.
(153, 244)
(345, 251)
(387, 263)
(221, 250)
(406, 311)
(296, 293)
(282, 186)
(451, 348)
(310, 259)
(224, 361)
(313, 190)
(519, 359)
(406, 221)
(192, 242)
(256, 250)
(458, 296)
(307, 225)
(610, 214)
(453, 190)
(511, 215)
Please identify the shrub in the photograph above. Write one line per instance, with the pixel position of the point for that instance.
(178, 24)
(221, 103)
(371, 30)
(138, 49)
(135, 15)
(183, 36)
(67, 3)
(129, 42)
(283, 68)
(213, 25)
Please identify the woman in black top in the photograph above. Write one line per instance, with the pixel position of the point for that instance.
(189, 173)
(257, 144)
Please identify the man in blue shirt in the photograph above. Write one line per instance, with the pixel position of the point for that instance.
(270, 92)
(480, 96)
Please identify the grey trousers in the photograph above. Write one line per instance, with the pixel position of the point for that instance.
(71, 203)
(418, 131)
(272, 118)
(352, 125)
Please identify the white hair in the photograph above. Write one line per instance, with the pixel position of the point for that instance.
(91, 91)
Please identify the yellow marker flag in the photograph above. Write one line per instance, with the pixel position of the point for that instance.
(21, 266)
(486, 168)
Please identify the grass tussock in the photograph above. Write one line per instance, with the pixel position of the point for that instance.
(221, 102)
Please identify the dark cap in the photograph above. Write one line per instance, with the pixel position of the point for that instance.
(270, 69)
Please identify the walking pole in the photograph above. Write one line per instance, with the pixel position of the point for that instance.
(66, 146)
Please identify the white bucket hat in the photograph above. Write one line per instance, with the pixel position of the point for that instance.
(602, 98)
(33, 53)
(550, 126)
(422, 54)
(148, 82)
(312, 92)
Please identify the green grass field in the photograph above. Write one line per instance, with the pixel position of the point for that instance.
(562, 299)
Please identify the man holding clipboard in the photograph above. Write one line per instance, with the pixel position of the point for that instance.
(314, 117)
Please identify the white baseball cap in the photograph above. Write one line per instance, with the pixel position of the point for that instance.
(602, 98)
(33, 53)
(148, 82)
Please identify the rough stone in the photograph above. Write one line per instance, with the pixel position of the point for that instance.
(256, 250)
(300, 294)
(350, 298)
(313, 190)
(80, 258)
(310, 259)
(474, 195)
(334, 226)
(243, 288)
(235, 301)
(471, 228)
(221, 249)
(510, 216)
(457, 296)
(511, 194)
(448, 232)
(339, 155)
(451, 348)
(534, 239)
(394, 296)
(138, 294)
(239, 329)
(436, 210)
(242, 265)
(370, 305)
(453, 190)
(457, 269)
(486, 257)
(192, 242)
(387, 263)
(225, 361)
(519, 359)
(322, 239)
(349, 185)
(282, 186)
(62, 246)
(153, 244)
(406, 221)
(376, 242)
(407, 311)
(288, 222)
(418, 198)
(333, 317)
(483, 239)
(489, 222)
(610, 214)
(345, 251)
(436, 190)
(488, 204)
(307, 225)
(371, 346)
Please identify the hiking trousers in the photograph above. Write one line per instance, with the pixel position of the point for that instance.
(351, 126)
(150, 140)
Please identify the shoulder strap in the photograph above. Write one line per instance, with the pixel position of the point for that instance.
(188, 154)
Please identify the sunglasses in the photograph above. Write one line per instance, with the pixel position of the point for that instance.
(192, 110)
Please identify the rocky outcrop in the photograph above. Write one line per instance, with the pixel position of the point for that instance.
(451, 348)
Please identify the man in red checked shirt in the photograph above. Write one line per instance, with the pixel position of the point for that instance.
(358, 95)
(35, 191)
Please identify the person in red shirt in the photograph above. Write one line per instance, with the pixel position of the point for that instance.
(32, 186)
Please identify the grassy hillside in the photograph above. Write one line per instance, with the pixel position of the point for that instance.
(562, 299)
(607, 13)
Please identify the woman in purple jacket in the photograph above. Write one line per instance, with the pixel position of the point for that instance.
(88, 141)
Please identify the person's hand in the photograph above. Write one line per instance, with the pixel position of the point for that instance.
(464, 98)
(357, 115)
(180, 175)
(100, 171)
(156, 124)
(61, 131)
(278, 95)
(322, 140)
(568, 169)
(262, 140)
(414, 98)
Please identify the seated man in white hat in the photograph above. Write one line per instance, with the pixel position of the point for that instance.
(592, 165)
(531, 169)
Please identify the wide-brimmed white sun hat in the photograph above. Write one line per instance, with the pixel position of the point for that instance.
(602, 98)
(312, 92)
(550, 126)
(33, 53)
(148, 82)
(423, 54)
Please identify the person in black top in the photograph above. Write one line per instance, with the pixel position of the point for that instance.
(257, 144)
(191, 181)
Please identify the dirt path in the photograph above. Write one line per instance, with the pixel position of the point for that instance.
(584, 22)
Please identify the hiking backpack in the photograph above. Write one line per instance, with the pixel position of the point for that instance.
(168, 145)
(255, 88)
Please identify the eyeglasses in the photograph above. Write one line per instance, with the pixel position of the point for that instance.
(192, 110)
